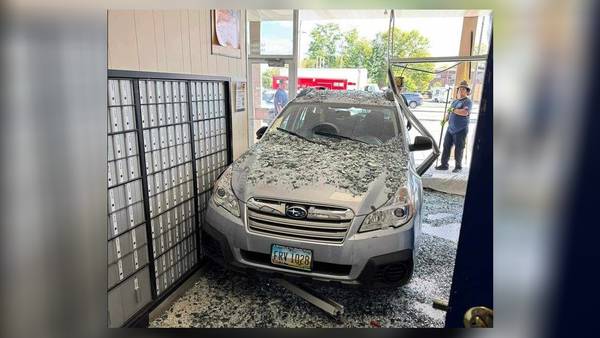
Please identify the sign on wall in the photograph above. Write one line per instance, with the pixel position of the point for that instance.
(240, 95)
(226, 34)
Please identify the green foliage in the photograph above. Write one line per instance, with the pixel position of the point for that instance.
(324, 45)
(267, 77)
(356, 51)
(330, 48)
(405, 44)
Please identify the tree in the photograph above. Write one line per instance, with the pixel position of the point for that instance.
(405, 44)
(267, 77)
(325, 45)
(356, 51)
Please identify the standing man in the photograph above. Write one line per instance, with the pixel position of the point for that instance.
(458, 127)
(281, 97)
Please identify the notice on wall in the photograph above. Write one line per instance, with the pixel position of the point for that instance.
(240, 96)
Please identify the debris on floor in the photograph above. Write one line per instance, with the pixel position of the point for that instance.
(221, 298)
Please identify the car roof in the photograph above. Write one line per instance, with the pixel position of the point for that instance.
(361, 97)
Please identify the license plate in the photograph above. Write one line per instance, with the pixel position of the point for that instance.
(291, 257)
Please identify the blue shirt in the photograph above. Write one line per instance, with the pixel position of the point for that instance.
(281, 99)
(457, 123)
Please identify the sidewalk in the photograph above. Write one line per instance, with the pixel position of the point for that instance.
(446, 181)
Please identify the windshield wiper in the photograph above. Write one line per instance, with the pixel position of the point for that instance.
(298, 135)
(339, 136)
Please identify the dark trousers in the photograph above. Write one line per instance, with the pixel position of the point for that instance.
(458, 140)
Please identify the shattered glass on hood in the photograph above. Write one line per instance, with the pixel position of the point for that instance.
(346, 97)
(287, 160)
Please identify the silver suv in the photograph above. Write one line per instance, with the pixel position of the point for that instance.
(330, 192)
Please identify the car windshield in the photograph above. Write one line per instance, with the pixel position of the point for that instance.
(360, 123)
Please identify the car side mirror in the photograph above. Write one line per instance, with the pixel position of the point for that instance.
(421, 143)
(261, 131)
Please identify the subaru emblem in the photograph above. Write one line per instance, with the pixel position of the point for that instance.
(296, 211)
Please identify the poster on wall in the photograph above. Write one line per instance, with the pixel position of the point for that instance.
(226, 32)
(240, 96)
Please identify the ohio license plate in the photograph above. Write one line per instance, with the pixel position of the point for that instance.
(292, 257)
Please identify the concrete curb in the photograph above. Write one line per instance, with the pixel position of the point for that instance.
(446, 181)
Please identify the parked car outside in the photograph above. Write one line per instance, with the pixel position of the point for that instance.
(329, 192)
(413, 99)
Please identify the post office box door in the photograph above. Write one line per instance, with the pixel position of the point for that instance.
(136, 292)
(115, 198)
(113, 275)
(186, 152)
(133, 167)
(156, 161)
(164, 143)
(164, 158)
(177, 113)
(123, 245)
(154, 138)
(116, 119)
(114, 98)
(147, 140)
(119, 146)
(110, 148)
(166, 180)
(184, 112)
(183, 91)
(151, 92)
(126, 92)
(178, 135)
(145, 116)
(138, 236)
(171, 111)
(135, 214)
(143, 92)
(153, 115)
(121, 166)
(162, 118)
(176, 97)
(168, 92)
(160, 92)
(112, 252)
(168, 114)
(171, 136)
(172, 156)
(128, 118)
(116, 318)
(131, 144)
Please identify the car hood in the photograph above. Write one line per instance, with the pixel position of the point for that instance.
(331, 172)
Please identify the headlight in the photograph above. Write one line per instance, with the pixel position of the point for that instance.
(394, 213)
(223, 194)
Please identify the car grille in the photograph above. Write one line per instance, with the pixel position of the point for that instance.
(322, 224)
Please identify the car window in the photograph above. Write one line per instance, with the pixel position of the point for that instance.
(369, 124)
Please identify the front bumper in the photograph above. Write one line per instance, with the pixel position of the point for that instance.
(377, 258)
